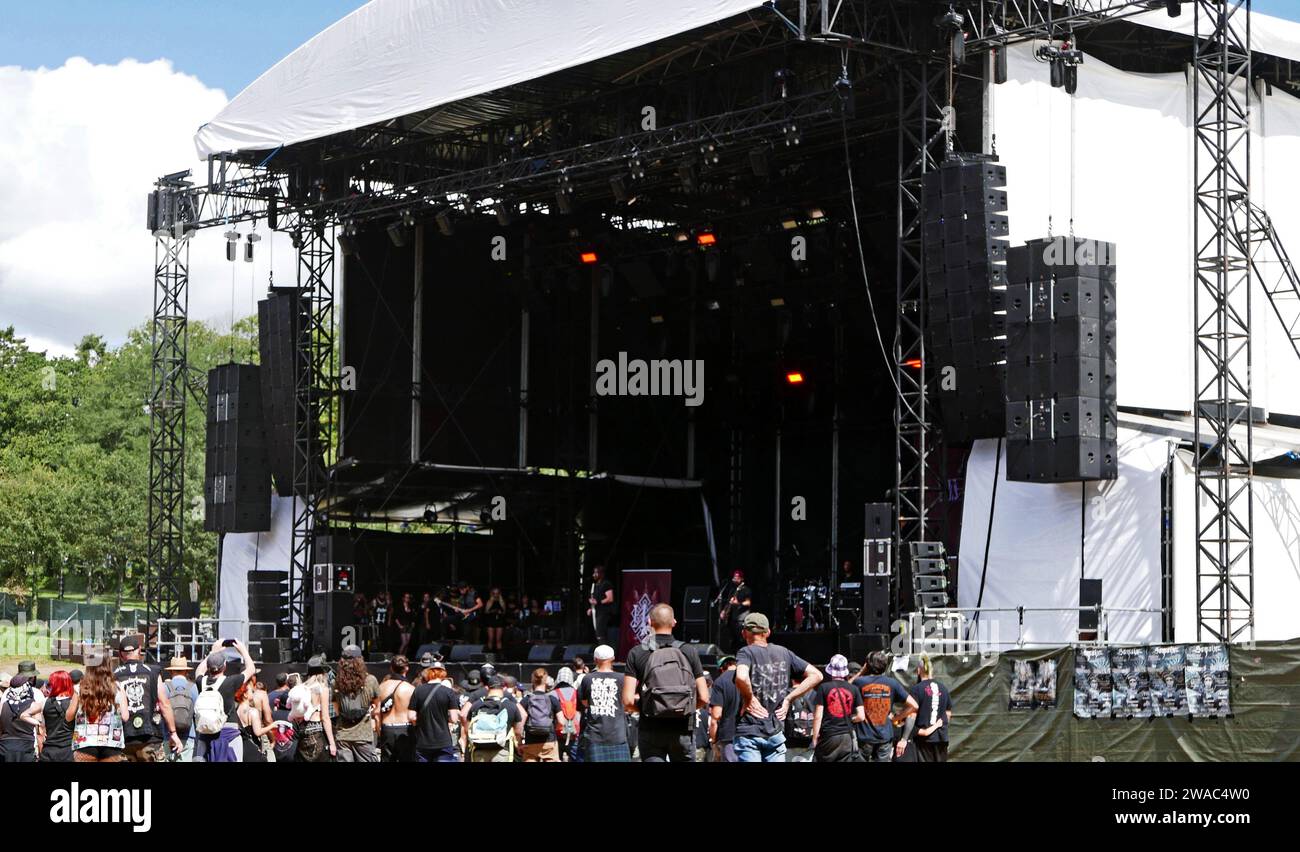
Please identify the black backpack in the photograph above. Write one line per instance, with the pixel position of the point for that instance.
(669, 687)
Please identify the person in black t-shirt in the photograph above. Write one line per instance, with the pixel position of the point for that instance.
(57, 746)
(604, 721)
(145, 693)
(724, 706)
(879, 695)
(930, 722)
(737, 605)
(838, 706)
(434, 708)
(669, 737)
(20, 715)
(763, 676)
(600, 604)
(492, 702)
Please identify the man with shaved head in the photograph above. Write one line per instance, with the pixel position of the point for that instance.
(664, 681)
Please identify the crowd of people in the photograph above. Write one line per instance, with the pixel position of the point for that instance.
(663, 706)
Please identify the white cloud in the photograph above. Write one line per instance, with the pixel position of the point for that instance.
(81, 146)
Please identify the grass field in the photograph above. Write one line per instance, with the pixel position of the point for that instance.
(30, 640)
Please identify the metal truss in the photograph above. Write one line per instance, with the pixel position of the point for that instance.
(922, 144)
(996, 22)
(314, 415)
(1225, 558)
(1257, 238)
(168, 386)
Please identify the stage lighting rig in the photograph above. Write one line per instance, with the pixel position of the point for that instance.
(790, 132)
(445, 225)
(784, 78)
(709, 153)
(636, 166)
(1065, 60)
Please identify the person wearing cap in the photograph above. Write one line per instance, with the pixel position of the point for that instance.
(665, 728)
(151, 708)
(724, 704)
(356, 697)
(604, 720)
(213, 673)
(500, 729)
(20, 716)
(434, 708)
(837, 706)
(764, 672)
(472, 686)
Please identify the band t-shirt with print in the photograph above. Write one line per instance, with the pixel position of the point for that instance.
(935, 704)
(603, 719)
(771, 668)
(879, 693)
(838, 701)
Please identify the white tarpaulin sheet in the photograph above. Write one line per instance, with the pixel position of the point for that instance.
(1274, 36)
(1039, 540)
(1277, 556)
(244, 552)
(394, 57)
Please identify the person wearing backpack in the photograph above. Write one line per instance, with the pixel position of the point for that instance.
(182, 694)
(356, 695)
(541, 711)
(492, 726)
(664, 680)
(216, 723)
(764, 673)
(568, 724)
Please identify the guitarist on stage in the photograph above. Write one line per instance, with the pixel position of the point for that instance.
(738, 602)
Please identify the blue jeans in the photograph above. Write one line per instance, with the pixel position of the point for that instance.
(760, 749)
(437, 755)
(876, 752)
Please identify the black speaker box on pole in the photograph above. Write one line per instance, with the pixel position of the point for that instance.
(283, 320)
(236, 478)
(879, 521)
(1089, 596)
(331, 616)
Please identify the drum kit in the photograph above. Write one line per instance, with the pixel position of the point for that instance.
(808, 606)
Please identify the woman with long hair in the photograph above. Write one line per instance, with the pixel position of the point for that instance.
(494, 619)
(252, 724)
(404, 618)
(98, 712)
(355, 694)
(58, 730)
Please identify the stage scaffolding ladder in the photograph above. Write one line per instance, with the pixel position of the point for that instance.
(1271, 264)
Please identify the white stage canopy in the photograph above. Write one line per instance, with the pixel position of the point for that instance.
(391, 58)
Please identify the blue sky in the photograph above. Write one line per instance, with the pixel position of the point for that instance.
(225, 45)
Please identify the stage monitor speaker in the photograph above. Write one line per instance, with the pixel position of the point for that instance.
(331, 617)
(862, 644)
(275, 650)
(1089, 596)
(695, 607)
(465, 653)
(879, 521)
(931, 600)
(543, 653)
(236, 475)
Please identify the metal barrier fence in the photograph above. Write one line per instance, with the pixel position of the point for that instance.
(193, 638)
(960, 630)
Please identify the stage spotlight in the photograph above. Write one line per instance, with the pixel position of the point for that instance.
(776, 302)
(784, 78)
(253, 238)
(636, 166)
(816, 213)
(408, 218)
(713, 305)
(619, 188)
(794, 378)
(232, 240)
(914, 363)
(791, 133)
(758, 161)
(705, 239)
(681, 236)
(445, 225)
(588, 257)
(789, 223)
(952, 22)
(656, 319)
(397, 234)
(709, 154)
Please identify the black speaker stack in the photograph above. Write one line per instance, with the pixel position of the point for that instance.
(331, 617)
(965, 249)
(236, 478)
(268, 613)
(283, 326)
(931, 588)
(1060, 375)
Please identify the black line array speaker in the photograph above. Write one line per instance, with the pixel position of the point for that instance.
(283, 326)
(268, 597)
(1060, 376)
(965, 249)
(875, 604)
(879, 521)
(331, 615)
(236, 478)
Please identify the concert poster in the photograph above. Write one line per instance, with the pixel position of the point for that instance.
(1207, 675)
(1092, 683)
(1130, 683)
(1022, 685)
(1165, 670)
(1044, 684)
